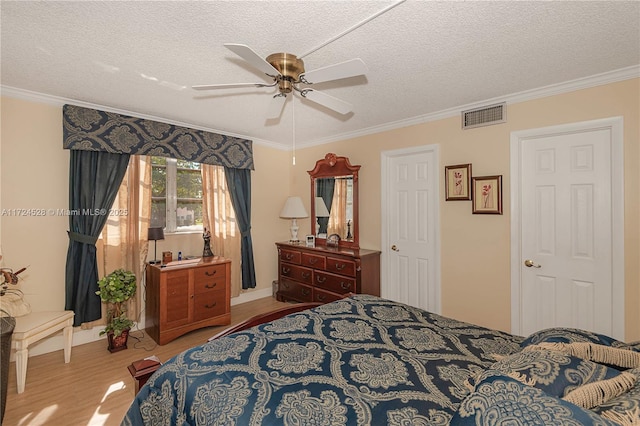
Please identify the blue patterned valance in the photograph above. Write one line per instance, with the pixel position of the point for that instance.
(93, 130)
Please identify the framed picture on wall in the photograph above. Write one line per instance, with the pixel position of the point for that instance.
(487, 194)
(457, 182)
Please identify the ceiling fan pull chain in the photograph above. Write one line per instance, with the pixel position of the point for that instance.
(355, 27)
(293, 115)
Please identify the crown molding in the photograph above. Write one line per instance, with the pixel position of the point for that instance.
(527, 95)
(622, 74)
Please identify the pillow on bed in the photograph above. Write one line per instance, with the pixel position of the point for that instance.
(503, 400)
(568, 335)
(625, 408)
(617, 357)
(554, 372)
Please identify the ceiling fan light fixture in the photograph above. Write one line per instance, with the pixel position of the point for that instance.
(289, 67)
(287, 64)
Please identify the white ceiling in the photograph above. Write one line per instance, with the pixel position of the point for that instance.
(424, 57)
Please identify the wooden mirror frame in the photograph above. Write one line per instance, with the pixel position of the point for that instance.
(334, 166)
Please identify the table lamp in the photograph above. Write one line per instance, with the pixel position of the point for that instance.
(321, 211)
(155, 234)
(293, 209)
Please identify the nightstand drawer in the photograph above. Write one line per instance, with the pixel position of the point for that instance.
(210, 278)
(335, 283)
(207, 305)
(209, 274)
(341, 266)
(297, 273)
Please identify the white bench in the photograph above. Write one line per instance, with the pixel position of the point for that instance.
(33, 327)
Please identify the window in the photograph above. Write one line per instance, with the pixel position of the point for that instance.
(176, 197)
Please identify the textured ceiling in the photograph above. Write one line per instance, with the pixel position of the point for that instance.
(424, 57)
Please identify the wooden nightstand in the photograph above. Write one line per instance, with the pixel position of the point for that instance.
(183, 297)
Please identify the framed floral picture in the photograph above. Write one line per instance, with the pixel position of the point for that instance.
(487, 194)
(457, 182)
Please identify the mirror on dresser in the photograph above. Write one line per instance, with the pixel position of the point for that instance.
(334, 201)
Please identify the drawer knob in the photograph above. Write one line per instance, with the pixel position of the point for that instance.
(320, 279)
(305, 292)
(210, 285)
(313, 260)
(210, 274)
(321, 297)
(210, 306)
(345, 286)
(285, 271)
(288, 256)
(306, 275)
(340, 266)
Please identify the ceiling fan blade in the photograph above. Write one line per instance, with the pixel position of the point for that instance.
(246, 53)
(276, 105)
(227, 86)
(327, 100)
(345, 69)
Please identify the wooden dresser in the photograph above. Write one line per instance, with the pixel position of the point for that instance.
(324, 274)
(186, 297)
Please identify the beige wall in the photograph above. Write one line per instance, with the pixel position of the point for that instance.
(475, 249)
(34, 174)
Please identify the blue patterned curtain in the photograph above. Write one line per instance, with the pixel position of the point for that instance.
(94, 180)
(93, 130)
(324, 189)
(239, 184)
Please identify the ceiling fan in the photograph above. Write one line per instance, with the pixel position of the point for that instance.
(289, 76)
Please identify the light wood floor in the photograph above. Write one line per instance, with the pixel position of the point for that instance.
(95, 388)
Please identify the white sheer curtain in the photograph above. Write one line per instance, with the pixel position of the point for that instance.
(338, 215)
(219, 218)
(123, 242)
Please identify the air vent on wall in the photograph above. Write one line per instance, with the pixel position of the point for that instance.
(484, 116)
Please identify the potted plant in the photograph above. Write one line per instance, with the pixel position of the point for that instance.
(115, 289)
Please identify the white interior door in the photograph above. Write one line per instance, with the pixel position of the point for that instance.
(568, 189)
(410, 252)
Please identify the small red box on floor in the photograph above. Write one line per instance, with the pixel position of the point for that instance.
(142, 369)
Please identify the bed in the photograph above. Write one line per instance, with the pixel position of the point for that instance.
(365, 360)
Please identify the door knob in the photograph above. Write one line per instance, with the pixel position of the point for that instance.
(530, 263)
(395, 248)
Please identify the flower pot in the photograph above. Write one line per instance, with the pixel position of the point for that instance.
(119, 343)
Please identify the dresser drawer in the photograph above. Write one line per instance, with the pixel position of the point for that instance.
(314, 261)
(294, 290)
(335, 283)
(324, 296)
(208, 305)
(341, 266)
(297, 273)
(291, 256)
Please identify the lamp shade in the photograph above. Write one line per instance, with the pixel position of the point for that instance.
(321, 208)
(156, 233)
(293, 209)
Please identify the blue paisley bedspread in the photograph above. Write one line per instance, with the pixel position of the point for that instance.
(357, 361)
